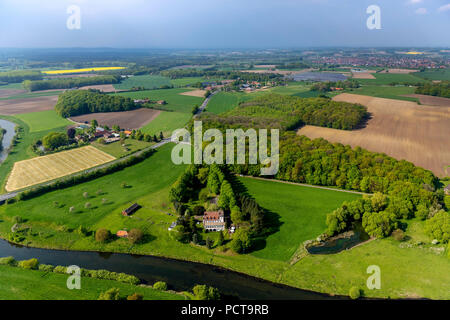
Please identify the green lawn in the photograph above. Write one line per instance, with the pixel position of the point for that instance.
(20, 284)
(301, 210)
(388, 78)
(146, 81)
(32, 95)
(166, 122)
(387, 92)
(175, 101)
(43, 120)
(117, 150)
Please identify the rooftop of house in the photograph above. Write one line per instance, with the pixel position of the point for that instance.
(213, 215)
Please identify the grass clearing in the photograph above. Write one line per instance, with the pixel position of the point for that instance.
(302, 212)
(175, 101)
(43, 120)
(46, 168)
(22, 284)
(166, 122)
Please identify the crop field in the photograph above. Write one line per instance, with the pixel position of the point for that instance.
(388, 78)
(301, 212)
(129, 120)
(194, 93)
(147, 81)
(43, 120)
(388, 92)
(25, 105)
(441, 75)
(431, 100)
(101, 87)
(52, 72)
(166, 122)
(401, 129)
(30, 95)
(175, 101)
(41, 169)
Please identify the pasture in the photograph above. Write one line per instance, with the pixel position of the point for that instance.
(166, 122)
(401, 129)
(384, 91)
(301, 212)
(388, 78)
(43, 120)
(37, 170)
(175, 101)
(145, 81)
(437, 75)
(133, 119)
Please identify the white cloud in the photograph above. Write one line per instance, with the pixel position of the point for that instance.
(421, 11)
(444, 8)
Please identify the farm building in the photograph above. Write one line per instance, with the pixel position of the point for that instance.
(131, 209)
(214, 221)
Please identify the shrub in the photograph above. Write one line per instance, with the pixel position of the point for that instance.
(438, 227)
(354, 293)
(102, 235)
(398, 235)
(17, 219)
(111, 294)
(46, 267)
(29, 264)
(60, 269)
(135, 296)
(209, 243)
(202, 292)
(160, 285)
(135, 235)
(10, 261)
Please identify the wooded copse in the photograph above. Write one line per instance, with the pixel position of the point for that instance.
(68, 83)
(20, 75)
(441, 89)
(76, 102)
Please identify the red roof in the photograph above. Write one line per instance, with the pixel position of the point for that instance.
(213, 215)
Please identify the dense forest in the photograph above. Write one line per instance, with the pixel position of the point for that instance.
(232, 75)
(441, 89)
(19, 76)
(289, 112)
(76, 102)
(329, 85)
(67, 83)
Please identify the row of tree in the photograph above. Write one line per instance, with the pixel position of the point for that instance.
(441, 89)
(68, 83)
(329, 85)
(19, 76)
(76, 102)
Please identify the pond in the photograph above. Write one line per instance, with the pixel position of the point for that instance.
(180, 275)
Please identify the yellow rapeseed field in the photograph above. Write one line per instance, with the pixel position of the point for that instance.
(82, 70)
(41, 169)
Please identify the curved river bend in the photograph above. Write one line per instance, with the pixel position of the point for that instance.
(180, 275)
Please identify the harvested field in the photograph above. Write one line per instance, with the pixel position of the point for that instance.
(26, 105)
(401, 129)
(399, 71)
(5, 93)
(431, 100)
(101, 87)
(133, 119)
(41, 169)
(194, 93)
(362, 75)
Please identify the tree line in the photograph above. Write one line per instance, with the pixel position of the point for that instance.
(19, 76)
(329, 85)
(441, 89)
(76, 102)
(68, 83)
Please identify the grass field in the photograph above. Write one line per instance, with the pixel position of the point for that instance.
(11, 86)
(175, 101)
(52, 72)
(117, 150)
(52, 226)
(388, 92)
(43, 120)
(302, 213)
(147, 81)
(41, 169)
(387, 78)
(166, 122)
(21, 284)
(443, 74)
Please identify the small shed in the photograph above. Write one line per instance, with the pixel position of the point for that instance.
(131, 209)
(122, 234)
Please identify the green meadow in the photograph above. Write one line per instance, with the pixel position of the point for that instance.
(22, 284)
(116, 149)
(43, 120)
(388, 78)
(175, 101)
(442, 74)
(301, 211)
(166, 122)
(146, 81)
(387, 92)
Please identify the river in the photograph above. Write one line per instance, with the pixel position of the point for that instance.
(7, 137)
(180, 275)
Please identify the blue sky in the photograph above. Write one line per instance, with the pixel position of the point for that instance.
(224, 23)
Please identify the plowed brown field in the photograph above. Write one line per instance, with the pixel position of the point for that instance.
(401, 129)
